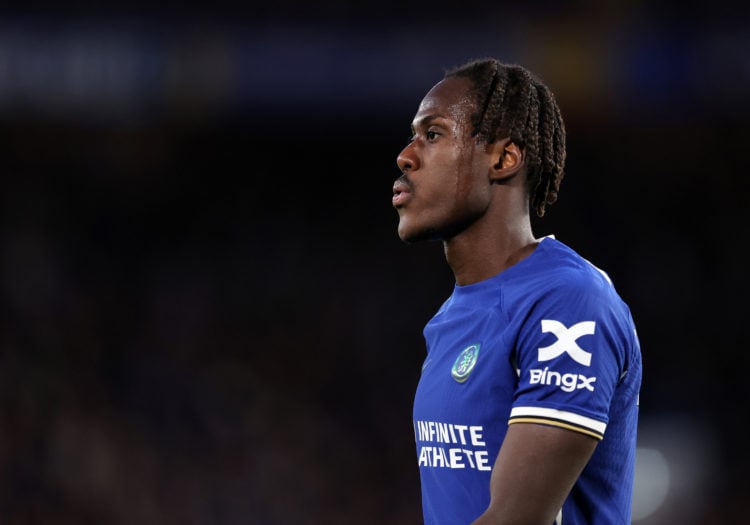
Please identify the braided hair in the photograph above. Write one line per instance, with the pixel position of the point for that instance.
(513, 103)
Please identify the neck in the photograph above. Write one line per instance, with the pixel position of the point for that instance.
(474, 256)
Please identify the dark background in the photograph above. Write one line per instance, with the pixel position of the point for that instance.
(206, 316)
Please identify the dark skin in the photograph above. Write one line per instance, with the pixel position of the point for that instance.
(472, 196)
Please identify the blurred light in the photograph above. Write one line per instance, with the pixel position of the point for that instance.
(108, 68)
(651, 482)
(675, 469)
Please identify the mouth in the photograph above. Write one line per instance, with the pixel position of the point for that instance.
(401, 193)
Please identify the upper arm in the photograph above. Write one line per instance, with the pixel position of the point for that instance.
(534, 471)
(570, 357)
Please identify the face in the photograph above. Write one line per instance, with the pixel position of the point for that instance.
(444, 187)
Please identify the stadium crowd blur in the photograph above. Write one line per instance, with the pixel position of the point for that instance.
(206, 314)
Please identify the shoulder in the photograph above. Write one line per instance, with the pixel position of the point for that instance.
(555, 268)
(559, 283)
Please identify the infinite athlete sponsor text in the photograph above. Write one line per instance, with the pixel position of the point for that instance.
(434, 440)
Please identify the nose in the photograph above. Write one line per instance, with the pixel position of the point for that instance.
(407, 159)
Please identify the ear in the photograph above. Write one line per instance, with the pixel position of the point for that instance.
(508, 160)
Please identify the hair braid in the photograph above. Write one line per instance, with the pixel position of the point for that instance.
(554, 154)
(530, 125)
(513, 103)
(518, 110)
(487, 92)
(496, 108)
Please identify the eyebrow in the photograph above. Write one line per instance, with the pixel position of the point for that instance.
(426, 120)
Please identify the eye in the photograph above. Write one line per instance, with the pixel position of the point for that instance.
(430, 135)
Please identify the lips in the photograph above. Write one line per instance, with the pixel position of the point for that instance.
(401, 193)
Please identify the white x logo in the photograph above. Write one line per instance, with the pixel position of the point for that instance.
(566, 340)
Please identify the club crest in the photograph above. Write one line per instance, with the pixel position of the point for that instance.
(464, 363)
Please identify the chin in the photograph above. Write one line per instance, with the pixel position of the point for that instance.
(410, 235)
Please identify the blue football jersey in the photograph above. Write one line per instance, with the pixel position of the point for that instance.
(546, 341)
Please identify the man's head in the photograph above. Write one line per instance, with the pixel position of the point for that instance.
(512, 103)
(487, 143)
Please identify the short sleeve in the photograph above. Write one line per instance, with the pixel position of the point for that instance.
(570, 356)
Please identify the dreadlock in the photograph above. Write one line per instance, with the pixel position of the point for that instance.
(513, 103)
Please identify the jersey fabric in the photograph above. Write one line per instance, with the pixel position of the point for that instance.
(546, 341)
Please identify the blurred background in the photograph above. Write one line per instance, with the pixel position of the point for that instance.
(206, 316)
